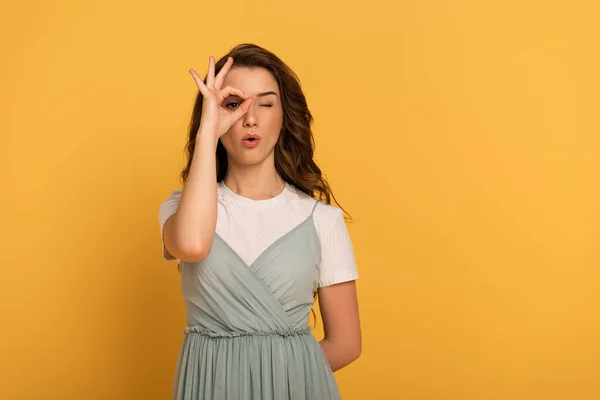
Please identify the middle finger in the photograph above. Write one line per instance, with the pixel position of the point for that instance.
(210, 77)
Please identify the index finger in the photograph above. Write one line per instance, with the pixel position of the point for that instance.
(221, 75)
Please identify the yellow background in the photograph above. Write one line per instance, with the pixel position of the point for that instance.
(463, 137)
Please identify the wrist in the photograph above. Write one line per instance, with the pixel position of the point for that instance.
(207, 137)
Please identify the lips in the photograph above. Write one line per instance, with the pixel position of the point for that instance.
(251, 137)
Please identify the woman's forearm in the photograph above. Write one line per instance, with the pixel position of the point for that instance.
(196, 217)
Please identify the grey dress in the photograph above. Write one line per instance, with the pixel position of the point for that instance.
(247, 333)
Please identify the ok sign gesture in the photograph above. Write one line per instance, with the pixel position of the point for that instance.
(215, 118)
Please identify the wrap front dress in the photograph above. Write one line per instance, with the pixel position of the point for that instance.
(247, 335)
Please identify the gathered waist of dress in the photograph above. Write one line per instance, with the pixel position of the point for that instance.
(198, 329)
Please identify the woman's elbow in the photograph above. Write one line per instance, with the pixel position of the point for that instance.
(355, 351)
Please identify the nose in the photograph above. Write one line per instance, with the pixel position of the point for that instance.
(250, 118)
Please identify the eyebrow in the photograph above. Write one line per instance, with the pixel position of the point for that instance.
(266, 94)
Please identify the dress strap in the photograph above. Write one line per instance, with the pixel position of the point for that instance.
(315, 206)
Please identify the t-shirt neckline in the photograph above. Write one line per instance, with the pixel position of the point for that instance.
(264, 202)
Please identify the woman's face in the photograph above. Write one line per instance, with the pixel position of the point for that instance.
(263, 120)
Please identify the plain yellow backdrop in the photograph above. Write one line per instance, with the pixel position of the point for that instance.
(462, 136)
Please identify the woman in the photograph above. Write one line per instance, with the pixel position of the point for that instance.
(254, 245)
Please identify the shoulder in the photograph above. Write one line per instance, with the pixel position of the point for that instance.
(325, 216)
(169, 206)
(174, 196)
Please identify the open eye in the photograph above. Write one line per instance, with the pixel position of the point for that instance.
(232, 103)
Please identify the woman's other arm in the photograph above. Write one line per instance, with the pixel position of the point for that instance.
(342, 343)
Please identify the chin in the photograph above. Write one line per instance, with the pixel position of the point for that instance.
(250, 158)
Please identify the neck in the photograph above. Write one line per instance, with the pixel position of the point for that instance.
(256, 182)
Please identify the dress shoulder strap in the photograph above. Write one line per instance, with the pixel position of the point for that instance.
(315, 206)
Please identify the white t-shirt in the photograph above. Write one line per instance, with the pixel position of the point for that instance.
(250, 226)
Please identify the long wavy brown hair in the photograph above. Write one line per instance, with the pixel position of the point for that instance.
(294, 151)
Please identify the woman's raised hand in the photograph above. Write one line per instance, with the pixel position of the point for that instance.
(215, 118)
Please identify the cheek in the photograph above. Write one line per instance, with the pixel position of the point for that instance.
(272, 116)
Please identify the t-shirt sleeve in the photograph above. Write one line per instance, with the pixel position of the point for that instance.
(167, 208)
(337, 254)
